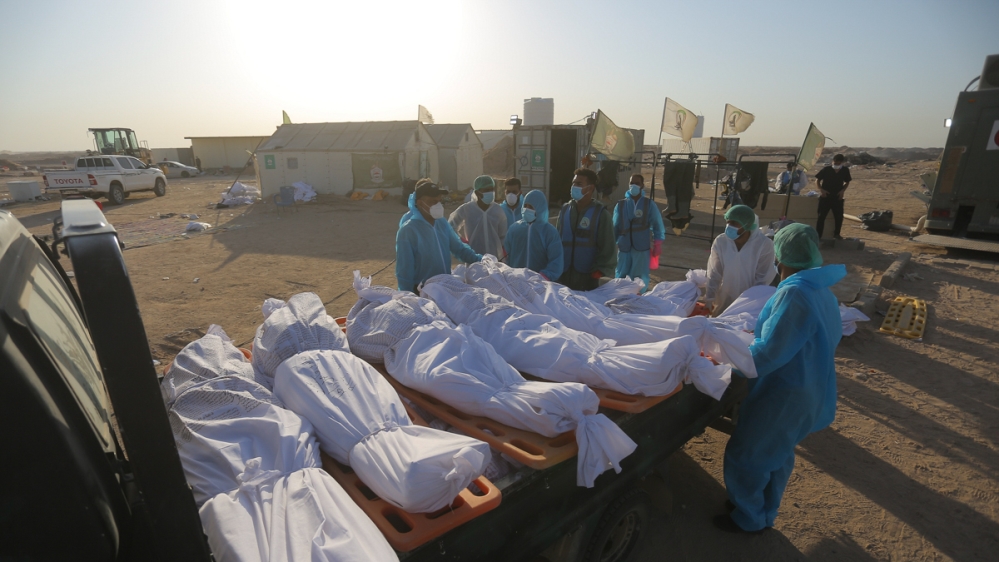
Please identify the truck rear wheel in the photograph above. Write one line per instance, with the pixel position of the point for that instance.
(116, 195)
(160, 189)
(621, 528)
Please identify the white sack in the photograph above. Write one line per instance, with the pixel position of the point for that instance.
(195, 226)
(303, 516)
(666, 299)
(229, 428)
(455, 366)
(542, 346)
(850, 316)
(614, 288)
(206, 358)
(299, 325)
(744, 311)
(361, 422)
(698, 277)
(241, 189)
(552, 299)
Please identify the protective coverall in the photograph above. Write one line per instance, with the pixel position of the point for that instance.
(484, 230)
(535, 245)
(587, 245)
(423, 250)
(794, 395)
(731, 270)
(638, 225)
(515, 213)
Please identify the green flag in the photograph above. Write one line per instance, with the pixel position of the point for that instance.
(285, 119)
(811, 149)
(610, 140)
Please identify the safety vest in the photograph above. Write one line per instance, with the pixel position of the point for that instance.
(579, 241)
(635, 234)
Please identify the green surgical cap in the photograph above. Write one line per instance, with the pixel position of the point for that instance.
(483, 182)
(797, 246)
(742, 215)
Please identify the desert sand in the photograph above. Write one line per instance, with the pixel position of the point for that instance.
(908, 471)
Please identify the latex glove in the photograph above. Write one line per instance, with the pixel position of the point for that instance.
(596, 275)
(657, 248)
(545, 277)
(842, 193)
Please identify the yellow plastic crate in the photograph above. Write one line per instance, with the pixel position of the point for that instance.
(906, 317)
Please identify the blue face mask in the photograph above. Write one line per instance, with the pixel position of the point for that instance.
(576, 192)
(634, 190)
(530, 215)
(732, 232)
(487, 197)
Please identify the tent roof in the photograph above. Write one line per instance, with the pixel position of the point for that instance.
(348, 136)
(451, 136)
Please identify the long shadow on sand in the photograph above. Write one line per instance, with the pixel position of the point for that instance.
(688, 533)
(951, 526)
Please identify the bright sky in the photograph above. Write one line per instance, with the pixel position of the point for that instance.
(868, 73)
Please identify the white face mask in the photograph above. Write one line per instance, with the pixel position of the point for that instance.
(512, 198)
(437, 211)
(837, 167)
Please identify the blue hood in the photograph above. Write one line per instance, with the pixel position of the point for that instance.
(537, 199)
(817, 278)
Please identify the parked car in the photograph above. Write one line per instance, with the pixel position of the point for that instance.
(176, 169)
(113, 176)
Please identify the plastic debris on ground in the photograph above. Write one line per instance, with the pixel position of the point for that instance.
(304, 192)
(240, 194)
(850, 316)
(195, 226)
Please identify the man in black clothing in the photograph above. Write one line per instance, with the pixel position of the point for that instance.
(832, 181)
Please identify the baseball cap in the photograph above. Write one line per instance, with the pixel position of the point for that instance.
(427, 188)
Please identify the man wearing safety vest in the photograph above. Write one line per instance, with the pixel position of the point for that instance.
(587, 232)
(639, 230)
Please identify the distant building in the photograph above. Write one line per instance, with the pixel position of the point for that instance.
(219, 152)
(459, 153)
(182, 155)
(341, 157)
(539, 111)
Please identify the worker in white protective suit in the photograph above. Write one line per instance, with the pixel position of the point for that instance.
(481, 223)
(741, 257)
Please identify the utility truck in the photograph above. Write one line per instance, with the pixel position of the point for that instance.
(74, 359)
(963, 209)
(114, 177)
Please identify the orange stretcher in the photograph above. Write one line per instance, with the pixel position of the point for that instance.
(526, 447)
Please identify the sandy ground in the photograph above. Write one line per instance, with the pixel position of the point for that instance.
(908, 471)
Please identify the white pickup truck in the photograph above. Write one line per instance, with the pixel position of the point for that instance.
(113, 176)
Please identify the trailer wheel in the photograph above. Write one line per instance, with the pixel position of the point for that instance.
(185, 174)
(621, 528)
(116, 195)
(160, 189)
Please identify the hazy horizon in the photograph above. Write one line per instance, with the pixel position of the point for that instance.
(882, 74)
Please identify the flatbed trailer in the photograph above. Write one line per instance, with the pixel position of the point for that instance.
(124, 500)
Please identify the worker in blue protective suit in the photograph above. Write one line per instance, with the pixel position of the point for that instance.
(533, 242)
(513, 201)
(587, 232)
(425, 241)
(638, 226)
(794, 393)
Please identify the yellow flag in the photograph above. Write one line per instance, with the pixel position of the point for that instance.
(736, 120)
(811, 149)
(285, 118)
(678, 121)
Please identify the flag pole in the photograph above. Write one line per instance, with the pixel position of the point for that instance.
(657, 152)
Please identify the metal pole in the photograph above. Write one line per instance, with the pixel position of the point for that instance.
(714, 203)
